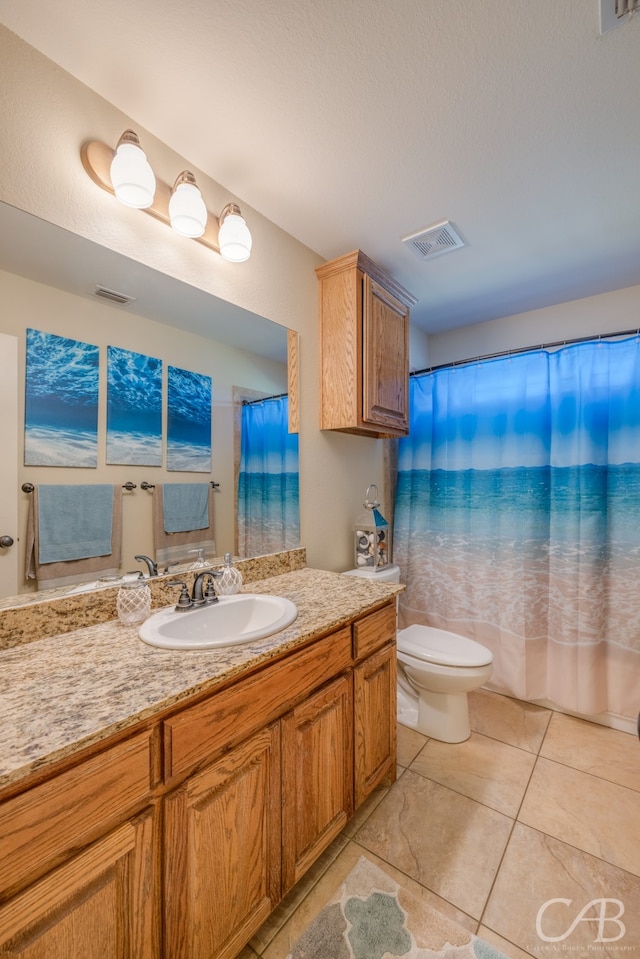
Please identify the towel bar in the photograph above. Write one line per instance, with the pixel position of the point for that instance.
(146, 486)
(29, 487)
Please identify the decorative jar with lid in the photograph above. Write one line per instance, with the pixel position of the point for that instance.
(133, 601)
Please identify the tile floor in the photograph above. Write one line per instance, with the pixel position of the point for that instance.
(535, 806)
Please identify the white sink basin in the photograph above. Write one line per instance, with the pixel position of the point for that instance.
(232, 620)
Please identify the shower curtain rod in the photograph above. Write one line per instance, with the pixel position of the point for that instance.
(262, 399)
(525, 349)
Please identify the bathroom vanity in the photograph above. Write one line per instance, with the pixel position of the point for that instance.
(163, 805)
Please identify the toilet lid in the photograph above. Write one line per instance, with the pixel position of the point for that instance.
(442, 647)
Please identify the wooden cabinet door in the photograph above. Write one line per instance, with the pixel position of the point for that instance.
(364, 348)
(385, 359)
(317, 765)
(222, 851)
(102, 904)
(374, 721)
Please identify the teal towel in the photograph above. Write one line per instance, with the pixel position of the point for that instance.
(74, 522)
(185, 506)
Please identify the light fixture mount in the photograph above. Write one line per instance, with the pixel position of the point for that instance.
(129, 136)
(97, 158)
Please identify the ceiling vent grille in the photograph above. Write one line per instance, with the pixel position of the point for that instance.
(613, 13)
(113, 296)
(434, 240)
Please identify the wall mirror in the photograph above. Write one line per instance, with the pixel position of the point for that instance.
(39, 251)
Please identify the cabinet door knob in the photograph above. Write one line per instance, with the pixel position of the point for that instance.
(6, 541)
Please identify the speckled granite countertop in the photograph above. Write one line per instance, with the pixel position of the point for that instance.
(61, 694)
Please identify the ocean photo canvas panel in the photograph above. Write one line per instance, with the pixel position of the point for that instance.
(134, 408)
(61, 401)
(188, 421)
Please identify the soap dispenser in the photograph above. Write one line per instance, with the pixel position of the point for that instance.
(199, 562)
(230, 580)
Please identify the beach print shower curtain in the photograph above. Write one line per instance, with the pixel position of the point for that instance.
(268, 512)
(517, 519)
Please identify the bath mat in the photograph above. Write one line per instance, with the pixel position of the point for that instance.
(372, 917)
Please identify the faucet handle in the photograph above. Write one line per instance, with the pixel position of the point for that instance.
(210, 595)
(184, 602)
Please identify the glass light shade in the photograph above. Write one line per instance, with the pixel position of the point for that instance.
(187, 210)
(131, 176)
(234, 238)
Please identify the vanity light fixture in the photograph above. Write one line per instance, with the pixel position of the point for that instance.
(126, 174)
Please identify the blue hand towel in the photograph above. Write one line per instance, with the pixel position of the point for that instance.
(186, 506)
(74, 522)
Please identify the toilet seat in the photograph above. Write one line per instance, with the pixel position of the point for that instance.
(441, 647)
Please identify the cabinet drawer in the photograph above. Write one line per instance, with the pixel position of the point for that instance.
(198, 732)
(40, 827)
(373, 631)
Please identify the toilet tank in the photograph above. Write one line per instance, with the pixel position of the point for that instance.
(388, 574)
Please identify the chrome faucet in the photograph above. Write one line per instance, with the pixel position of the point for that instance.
(151, 566)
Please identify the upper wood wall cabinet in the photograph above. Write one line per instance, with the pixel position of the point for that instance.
(364, 348)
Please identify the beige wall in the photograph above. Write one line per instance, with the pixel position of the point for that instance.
(606, 313)
(46, 115)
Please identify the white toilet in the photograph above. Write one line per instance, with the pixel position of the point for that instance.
(436, 670)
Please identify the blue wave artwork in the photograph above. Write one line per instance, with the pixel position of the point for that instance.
(134, 408)
(188, 421)
(61, 401)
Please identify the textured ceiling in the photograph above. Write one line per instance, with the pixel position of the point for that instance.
(352, 123)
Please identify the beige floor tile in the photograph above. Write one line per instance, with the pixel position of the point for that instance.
(307, 910)
(536, 869)
(508, 948)
(481, 768)
(595, 749)
(410, 742)
(509, 720)
(597, 816)
(445, 841)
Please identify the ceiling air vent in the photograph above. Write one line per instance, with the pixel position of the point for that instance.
(434, 240)
(613, 13)
(113, 296)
